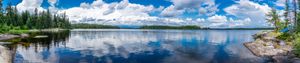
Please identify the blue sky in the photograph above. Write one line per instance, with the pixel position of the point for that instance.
(206, 13)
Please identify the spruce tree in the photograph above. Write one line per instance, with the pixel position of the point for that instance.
(286, 13)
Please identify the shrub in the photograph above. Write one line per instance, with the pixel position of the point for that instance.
(297, 45)
(285, 36)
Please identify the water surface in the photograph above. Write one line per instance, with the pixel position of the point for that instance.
(138, 46)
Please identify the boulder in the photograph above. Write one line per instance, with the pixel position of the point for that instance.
(41, 36)
(266, 44)
(24, 35)
(5, 55)
(7, 36)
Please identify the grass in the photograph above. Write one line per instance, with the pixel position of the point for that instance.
(13, 29)
(18, 31)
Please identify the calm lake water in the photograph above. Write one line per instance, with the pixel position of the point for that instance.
(138, 46)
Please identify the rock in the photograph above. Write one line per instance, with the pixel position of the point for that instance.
(41, 36)
(295, 60)
(4, 43)
(53, 30)
(7, 36)
(5, 55)
(266, 44)
(24, 35)
(280, 59)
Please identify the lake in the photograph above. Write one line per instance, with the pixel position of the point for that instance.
(138, 46)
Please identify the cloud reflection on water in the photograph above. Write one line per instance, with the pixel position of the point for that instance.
(180, 46)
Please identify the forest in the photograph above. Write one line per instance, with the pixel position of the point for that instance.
(14, 21)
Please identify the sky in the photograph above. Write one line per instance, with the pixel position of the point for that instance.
(204, 13)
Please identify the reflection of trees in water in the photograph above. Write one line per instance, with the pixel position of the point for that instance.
(54, 39)
(184, 46)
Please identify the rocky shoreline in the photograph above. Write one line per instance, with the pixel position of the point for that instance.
(12, 36)
(266, 44)
(5, 53)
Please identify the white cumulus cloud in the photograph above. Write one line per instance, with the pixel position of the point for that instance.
(248, 9)
(30, 5)
(205, 7)
(247, 13)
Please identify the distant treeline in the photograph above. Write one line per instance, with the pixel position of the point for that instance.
(238, 28)
(93, 26)
(170, 27)
(101, 26)
(11, 17)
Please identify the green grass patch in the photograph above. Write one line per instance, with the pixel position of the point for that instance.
(18, 31)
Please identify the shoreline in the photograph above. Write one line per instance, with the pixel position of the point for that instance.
(266, 44)
(173, 29)
(8, 36)
(5, 53)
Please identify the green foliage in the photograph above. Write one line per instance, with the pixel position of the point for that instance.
(17, 31)
(4, 28)
(275, 20)
(93, 26)
(297, 27)
(12, 29)
(170, 27)
(14, 21)
(285, 36)
(297, 45)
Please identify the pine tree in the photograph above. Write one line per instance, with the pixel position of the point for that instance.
(25, 16)
(49, 19)
(295, 14)
(286, 14)
(9, 14)
(273, 18)
(1, 13)
(36, 20)
(1, 9)
(16, 21)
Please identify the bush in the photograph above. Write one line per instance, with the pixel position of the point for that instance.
(285, 36)
(4, 28)
(297, 45)
(12, 29)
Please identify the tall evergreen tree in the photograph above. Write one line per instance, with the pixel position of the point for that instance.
(9, 15)
(1, 9)
(286, 14)
(1, 13)
(32, 20)
(295, 14)
(273, 18)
